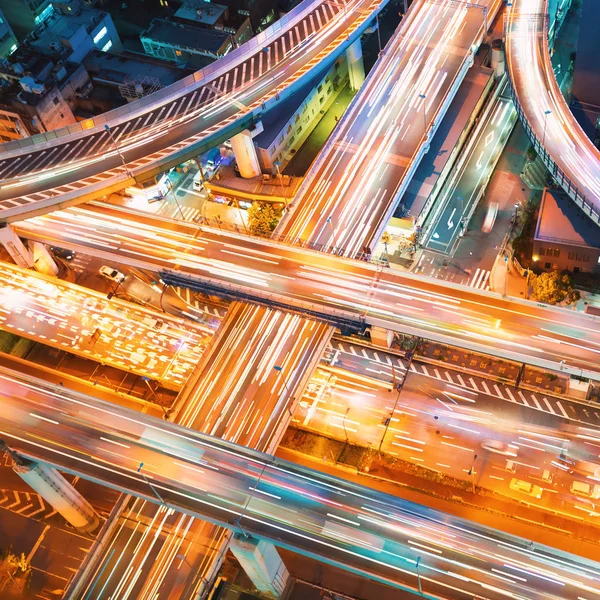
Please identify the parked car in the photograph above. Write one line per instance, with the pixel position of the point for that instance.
(62, 253)
(518, 485)
(112, 274)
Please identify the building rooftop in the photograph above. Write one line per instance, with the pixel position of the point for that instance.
(209, 14)
(114, 69)
(561, 220)
(58, 27)
(185, 36)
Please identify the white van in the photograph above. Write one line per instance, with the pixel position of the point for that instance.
(198, 184)
(580, 488)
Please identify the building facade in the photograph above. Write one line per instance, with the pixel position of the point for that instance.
(565, 239)
(8, 40)
(24, 15)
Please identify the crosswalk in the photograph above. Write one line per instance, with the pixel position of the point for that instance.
(480, 280)
(558, 407)
(80, 262)
(180, 213)
(188, 296)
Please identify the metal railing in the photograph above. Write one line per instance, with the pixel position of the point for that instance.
(557, 173)
(183, 86)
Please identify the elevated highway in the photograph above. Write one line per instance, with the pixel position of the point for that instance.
(331, 288)
(570, 156)
(370, 533)
(85, 161)
(360, 176)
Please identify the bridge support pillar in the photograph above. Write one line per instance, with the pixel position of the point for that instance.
(382, 337)
(262, 563)
(59, 493)
(42, 259)
(356, 67)
(245, 154)
(15, 247)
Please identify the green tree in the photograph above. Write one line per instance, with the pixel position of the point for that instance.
(262, 218)
(554, 287)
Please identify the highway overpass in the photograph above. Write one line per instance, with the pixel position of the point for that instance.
(329, 287)
(565, 149)
(370, 533)
(359, 178)
(84, 161)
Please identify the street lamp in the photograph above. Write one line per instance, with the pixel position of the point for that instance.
(419, 575)
(332, 232)
(172, 190)
(472, 472)
(112, 139)
(546, 113)
(344, 423)
(139, 470)
(279, 369)
(424, 97)
(277, 165)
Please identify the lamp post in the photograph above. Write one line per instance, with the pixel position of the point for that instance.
(419, 575)
(277, 165)
(472, 473)
(424, 97)
(279, 369)
(112, 139)
(546, 113)
(172, 190)
(139, 470)
(332, 232)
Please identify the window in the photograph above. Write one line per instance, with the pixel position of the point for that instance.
(586, 258)
(177, 52)
(44, 14)
(578, 256)
(556, 252)
(100, 35)
(320, 89)
(56, 101)
(547, 265)
(571, 255)
(107, 46)
(542, 251)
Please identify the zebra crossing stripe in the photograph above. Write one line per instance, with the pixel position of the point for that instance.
(485, 387)
(510, 395)
(461, 380)
(547, 404)
(449, 378)
(472, 382)
(562, 410)
(536, 402)
(498, 391)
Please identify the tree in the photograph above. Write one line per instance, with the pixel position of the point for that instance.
(554, 287)
(262, 218)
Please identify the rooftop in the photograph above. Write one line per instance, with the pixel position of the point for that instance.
(562, 221)
(59, 26)
(185, 36)
(207, 15)
(114, 69)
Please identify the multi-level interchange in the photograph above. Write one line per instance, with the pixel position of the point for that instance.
(205, 475)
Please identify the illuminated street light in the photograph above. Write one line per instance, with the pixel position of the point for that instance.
(139, 470)
(419, 575)
(472, 473)
(332, 232)
(279, 369)
(424, 97)
(546, 113)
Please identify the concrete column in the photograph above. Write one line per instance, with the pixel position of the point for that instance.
(15, 247)
(356, 67)
(382, 337)
(59, 493)
(262, 563)
(42, 259)
(245, 154)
